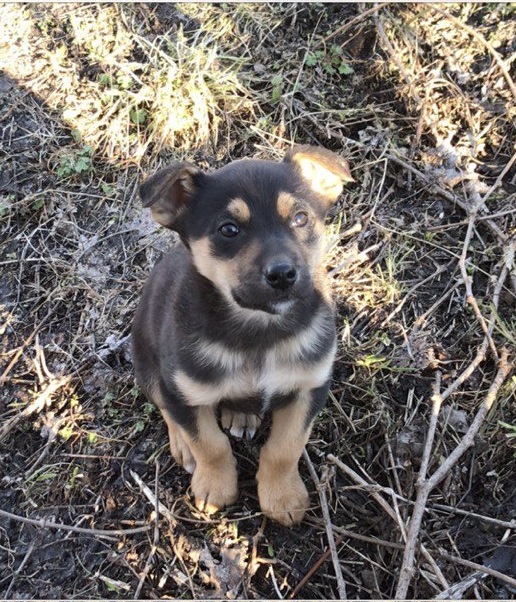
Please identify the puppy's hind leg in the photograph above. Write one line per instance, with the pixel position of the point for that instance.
(178, 446)
(240, 425)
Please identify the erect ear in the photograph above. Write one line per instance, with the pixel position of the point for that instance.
(325, 172)
(168, 192)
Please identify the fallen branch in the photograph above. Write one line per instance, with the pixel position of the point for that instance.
(426, 486)
(332, 546)
(478, 567)
(155, 542)
(46, 524)
(374, 490)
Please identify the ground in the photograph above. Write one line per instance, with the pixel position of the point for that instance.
(411, 465)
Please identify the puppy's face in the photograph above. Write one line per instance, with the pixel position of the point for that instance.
(254, 228)
(256, 232)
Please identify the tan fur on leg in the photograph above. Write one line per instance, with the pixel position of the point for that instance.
(282, 494)
(214, 481)
(208, 456)
(178, 446)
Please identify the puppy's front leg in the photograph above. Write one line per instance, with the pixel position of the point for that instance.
(198, 444)
(282, 494)
(214, 480)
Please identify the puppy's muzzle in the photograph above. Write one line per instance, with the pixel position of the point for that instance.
(280, 275)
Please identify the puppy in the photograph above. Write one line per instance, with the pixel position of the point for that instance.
(237, 320)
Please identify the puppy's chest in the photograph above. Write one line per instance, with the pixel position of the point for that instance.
(234, 375)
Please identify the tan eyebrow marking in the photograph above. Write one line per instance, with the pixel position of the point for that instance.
(285, 204)
(239, 209)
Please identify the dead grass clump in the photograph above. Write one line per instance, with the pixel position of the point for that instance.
(127, 92)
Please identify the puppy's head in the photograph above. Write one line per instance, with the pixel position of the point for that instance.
(254, 228)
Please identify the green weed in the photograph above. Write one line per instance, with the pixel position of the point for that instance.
(331, 61)
(77, 163)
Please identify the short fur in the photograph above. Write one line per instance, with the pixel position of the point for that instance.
(237, 318)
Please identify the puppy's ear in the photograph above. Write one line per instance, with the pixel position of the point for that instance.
(168, 192)
(325, 172)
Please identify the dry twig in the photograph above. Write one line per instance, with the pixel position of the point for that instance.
(478, 567)
(426, 486)
(395, 58)
(35, 406)
(340, 30)
(161, 508)
(321, 485)
(487, 519)
(47, 524)
(155, 541)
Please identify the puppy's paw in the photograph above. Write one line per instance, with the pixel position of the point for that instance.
(240, 425)
(285, 500)
(215, 487)
(180, 450)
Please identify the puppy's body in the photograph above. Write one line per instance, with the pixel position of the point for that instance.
(237, 317)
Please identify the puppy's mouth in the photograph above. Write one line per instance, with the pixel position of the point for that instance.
(278, 306)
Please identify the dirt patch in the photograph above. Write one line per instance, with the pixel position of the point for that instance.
(421, 100)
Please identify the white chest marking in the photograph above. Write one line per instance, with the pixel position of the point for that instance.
(281, 370)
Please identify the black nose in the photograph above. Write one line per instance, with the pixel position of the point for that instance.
(280, 275)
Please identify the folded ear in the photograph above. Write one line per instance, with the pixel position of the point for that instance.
(324, 171)
(168, 192)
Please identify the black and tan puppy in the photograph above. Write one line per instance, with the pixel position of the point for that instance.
(236, 320)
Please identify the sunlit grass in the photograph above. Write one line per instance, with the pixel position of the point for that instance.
(174, 98)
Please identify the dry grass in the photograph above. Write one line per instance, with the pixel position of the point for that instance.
(421, 252)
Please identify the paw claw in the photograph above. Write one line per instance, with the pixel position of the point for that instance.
(215, 487)
(237, 431)
(240, 425)
(284, 500)
(189, 467)
(180, 450)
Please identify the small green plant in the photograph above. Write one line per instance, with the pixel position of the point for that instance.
(510, 428)
(4, 208)
(373, 361)
(148, 410)
(120, 81)
(92, 438)
(277, 87)
(66, 432)
(107, 405)
(138, 116)
(73, 478)
(107, 189)
(76, 164)
(332, 62)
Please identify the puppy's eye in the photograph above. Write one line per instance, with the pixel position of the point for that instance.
(300, 219)
(229, 230)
